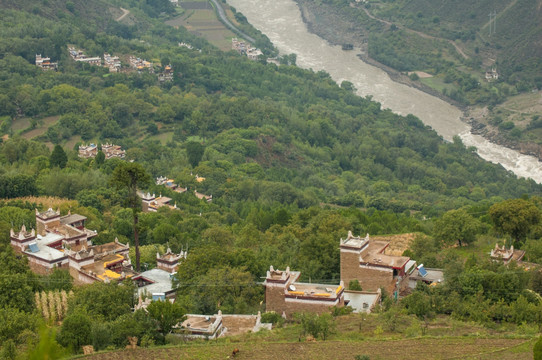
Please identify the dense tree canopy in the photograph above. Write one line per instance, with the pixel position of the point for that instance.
(515, 217)
(457, 226)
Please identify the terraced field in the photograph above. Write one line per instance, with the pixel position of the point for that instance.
(422, 348)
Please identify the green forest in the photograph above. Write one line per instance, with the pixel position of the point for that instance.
(293, 162)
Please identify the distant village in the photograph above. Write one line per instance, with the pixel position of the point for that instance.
(110, 151)
(151, 202)
(112, 63)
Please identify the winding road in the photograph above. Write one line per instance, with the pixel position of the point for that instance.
(226, 21)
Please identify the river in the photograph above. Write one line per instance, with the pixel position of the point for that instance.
(281, 21)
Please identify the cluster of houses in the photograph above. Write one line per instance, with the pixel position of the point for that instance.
(110, 151)
(170, 184)
(45, 63)
(362, 259)
(245, 49)
(140, 64)
(64, 242)
(79, 56)
(367, 262)
(111, 62)
(166, 75)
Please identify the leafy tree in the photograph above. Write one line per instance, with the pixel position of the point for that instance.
(17, 186)
(16, 292)
(536, 281)
(232, 290)
(457, 225)
(76, 330)
(13, 322)
(100, 335)
(316, 325)
(167, 314)
(514, 217)
(9, 350)
(108, 301)
(132, 324)
(418, 303)
(195, 151)
(131, 176)
(58, 157)
(100, 157)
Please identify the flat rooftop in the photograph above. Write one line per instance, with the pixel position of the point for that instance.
(161, 282)
(99, 268)
(314, 290)
(277, 275)
(374, 254)
(433, 275)
(238, 324)
(46, 252)
(73, 218)
(108, 247)
(361, 301)
(354, 241)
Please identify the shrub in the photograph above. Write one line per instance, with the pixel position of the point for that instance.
(343, 310)
(362, 357)
(273, 318)
(354, 285)
(507, 125)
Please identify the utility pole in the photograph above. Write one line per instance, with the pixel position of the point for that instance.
(492, 22)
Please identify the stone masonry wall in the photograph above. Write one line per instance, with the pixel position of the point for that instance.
(372, 279)
(292, 307)
(369, 279)
(274, 299)
(349, 267)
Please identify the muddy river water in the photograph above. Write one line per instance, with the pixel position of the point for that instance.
(281, 21)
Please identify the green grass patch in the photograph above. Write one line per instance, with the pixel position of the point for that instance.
(438, 84)
(20, 124)
(41, 128)
(164, 138)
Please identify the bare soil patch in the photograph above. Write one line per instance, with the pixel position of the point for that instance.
(414, 349)
(398, 243)
(421, 74)
(44, 124)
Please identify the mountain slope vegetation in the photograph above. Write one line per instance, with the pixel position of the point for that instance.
(292, 161)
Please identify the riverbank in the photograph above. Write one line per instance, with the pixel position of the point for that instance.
(325, 25)
(329, 26)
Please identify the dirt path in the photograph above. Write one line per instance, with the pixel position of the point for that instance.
(125, 12)
(419, 33)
